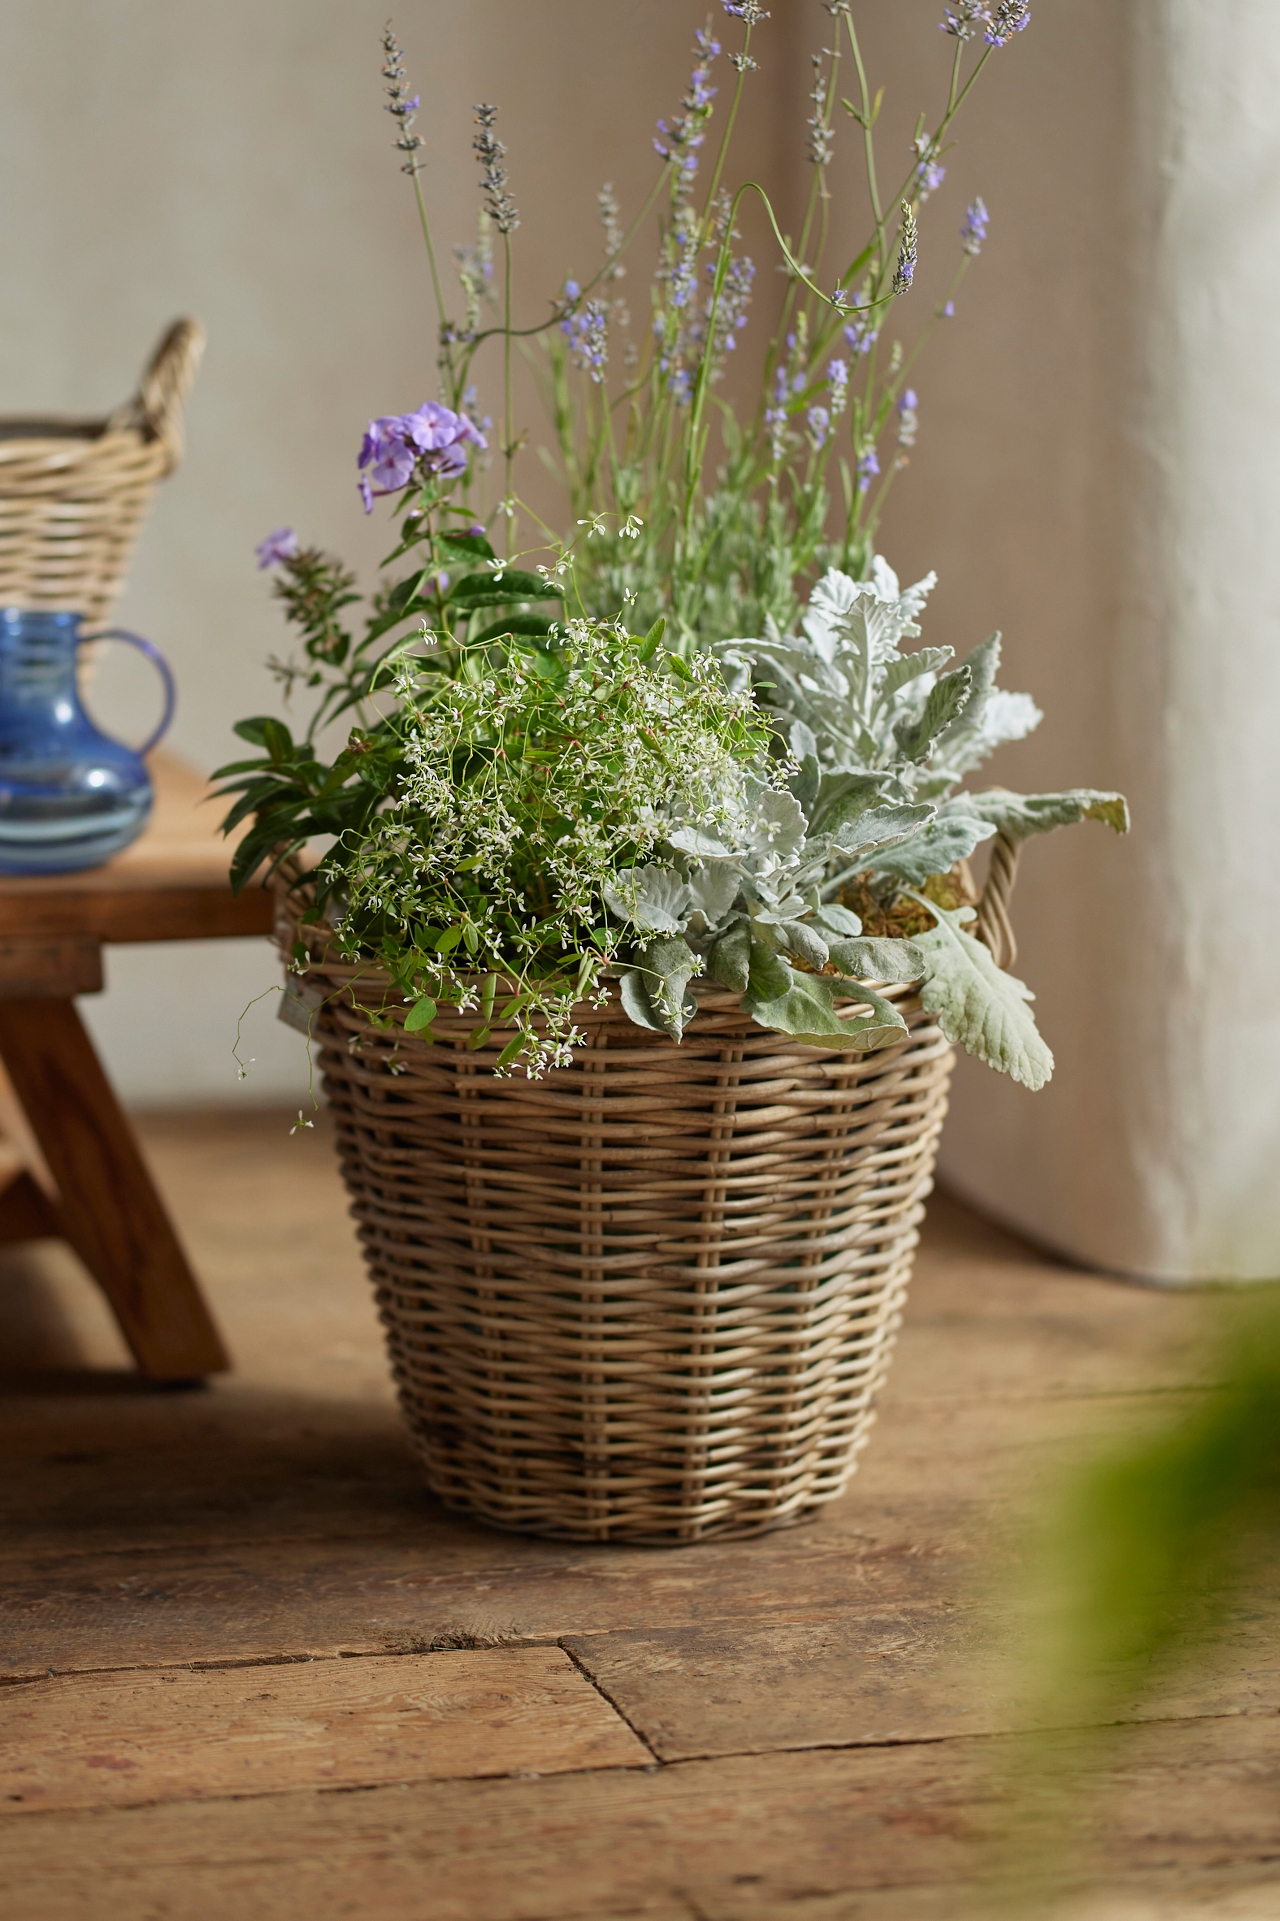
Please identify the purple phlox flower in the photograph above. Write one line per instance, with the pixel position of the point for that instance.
(819, 426)
(477, 529)
(974, 230)
(282, 544)
(1010, 17)
(395, 444)
(905, 271)
(868, 468)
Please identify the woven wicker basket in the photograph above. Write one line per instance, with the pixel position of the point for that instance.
(73, 493)
(651, 1297)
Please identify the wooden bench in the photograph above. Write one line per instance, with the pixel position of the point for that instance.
(77, 1173)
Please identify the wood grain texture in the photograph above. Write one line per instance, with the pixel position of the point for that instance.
(50, 969)
(126, 1739)
(738, 1840)
(872, 1676)
(279, 1515)
(113, 1216)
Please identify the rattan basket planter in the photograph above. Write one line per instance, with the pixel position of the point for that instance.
(651, 1297)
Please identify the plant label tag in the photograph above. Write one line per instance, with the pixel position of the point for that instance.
(298, 1005)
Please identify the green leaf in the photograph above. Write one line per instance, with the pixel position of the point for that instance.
(420, 1015)
(1021, 815)
(881, 827)
(449, 939)
(946, 700)
(842, 797)
(664, 968)
(512, 1051)
(500, 589)
(937, 847)
(255, 729)
(653, 639)
(879, 960)
(654, 898)
(768, 975)
(834, 919)
(730, 958)
(463, 547)
(976, 1005)
(518, 627)
(806, 1011)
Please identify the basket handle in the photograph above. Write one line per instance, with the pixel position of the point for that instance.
(993, 925)
(156, 408)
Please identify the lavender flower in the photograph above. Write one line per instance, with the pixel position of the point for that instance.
(395, 445)
(905, 271)
(1010, 17)
(399, 104)
(838, 382)
(586, 330)
(964, 23)
(680, 141)
(861, 334)
(819, 426)
(868, 468)
(908, 418)
(283, 544)
(611, 221)
(493, 175)
(821, 138)
(747, 10)
(974, 230)
(949, 311)
(930, 173)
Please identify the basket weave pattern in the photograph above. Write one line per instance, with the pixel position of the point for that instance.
(652, 1296)
(73, 493)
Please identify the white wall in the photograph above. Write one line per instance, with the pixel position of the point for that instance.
(1118, 513)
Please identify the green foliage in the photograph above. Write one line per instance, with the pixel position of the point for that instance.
(879, 738)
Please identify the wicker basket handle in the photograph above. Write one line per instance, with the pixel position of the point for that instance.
(156, 408)
(993, 925)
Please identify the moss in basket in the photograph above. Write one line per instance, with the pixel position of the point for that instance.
(536, 798)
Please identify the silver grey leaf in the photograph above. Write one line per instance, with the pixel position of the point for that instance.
(975, 1004)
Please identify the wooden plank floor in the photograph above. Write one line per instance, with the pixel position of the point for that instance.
(248, 1666)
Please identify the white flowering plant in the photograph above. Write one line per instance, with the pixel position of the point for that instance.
(539, 805)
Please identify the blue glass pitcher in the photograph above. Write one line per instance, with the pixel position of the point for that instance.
(70, 797)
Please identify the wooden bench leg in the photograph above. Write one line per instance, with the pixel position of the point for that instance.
(109, 1210)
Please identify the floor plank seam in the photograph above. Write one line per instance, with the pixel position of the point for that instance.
(621, 1712)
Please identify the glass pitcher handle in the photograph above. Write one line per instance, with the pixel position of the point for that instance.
(158, 661)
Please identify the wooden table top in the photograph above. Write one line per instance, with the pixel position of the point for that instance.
(170, 885)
